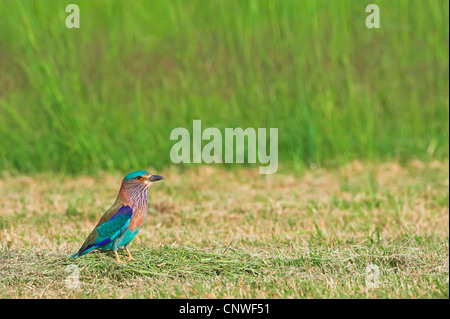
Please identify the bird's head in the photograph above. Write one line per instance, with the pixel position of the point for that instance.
(141, 179)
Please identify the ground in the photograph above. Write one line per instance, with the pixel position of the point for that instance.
(214, 233)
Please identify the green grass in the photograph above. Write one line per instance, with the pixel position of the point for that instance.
(287, 236)
(187, 272)
(106, 96)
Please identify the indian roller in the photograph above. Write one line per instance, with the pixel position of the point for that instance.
(121, 223)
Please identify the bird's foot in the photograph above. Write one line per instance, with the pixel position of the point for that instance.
(117, 258)
(129, 254)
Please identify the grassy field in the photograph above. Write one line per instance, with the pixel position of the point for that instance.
(215, 233)
(106, 96)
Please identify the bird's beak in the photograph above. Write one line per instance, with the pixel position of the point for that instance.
(154, 178)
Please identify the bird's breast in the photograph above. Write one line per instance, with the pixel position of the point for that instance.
(138, 219)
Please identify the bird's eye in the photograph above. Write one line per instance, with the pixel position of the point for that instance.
(138, 178)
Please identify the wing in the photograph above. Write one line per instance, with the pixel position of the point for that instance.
(111, 225)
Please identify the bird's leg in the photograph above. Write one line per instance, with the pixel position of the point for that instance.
(129, 254)
(117, 257)
(115, 251)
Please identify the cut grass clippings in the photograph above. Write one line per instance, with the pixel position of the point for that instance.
(214, 233)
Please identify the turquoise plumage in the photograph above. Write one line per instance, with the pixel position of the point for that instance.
(121, 223)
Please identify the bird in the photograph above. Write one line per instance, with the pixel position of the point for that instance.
(124, 219)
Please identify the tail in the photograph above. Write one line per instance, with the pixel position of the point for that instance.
(74, 255)
(84, 251)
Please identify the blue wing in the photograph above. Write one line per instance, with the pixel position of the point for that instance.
(108, 231)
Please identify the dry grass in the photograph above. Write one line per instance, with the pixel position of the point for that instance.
(213, 233)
